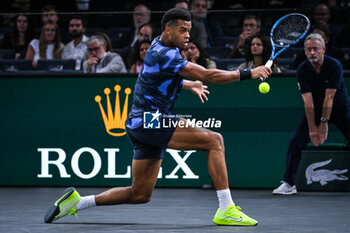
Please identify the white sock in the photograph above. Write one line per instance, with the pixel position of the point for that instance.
(225, 199)
(86, 202)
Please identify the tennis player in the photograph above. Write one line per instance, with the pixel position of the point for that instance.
(157, 88)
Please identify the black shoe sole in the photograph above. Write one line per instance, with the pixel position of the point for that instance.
(55, 210)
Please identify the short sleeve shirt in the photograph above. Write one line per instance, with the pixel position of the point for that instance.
(158, 84)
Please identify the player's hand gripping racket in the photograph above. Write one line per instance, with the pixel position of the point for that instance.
(286, 32)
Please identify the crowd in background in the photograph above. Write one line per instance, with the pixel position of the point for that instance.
(113, 36)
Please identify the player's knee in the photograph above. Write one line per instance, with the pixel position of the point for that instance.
(142, 198)
(217, 141)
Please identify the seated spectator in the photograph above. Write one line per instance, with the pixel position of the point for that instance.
(77, 48)
(99, 60)
(145, 32)
(49, 13)
(332, 51)
(257, 52)
(20, 36)
(139, 55)
(141, 15)
(322, 14)
(48, 46)
(197, 31)
(251, 25)
(213, 28)
(195, 53)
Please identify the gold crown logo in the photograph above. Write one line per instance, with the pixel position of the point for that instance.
(117, 120)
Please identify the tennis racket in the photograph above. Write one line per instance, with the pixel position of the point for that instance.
(286, 32)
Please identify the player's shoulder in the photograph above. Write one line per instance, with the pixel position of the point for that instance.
(158, 49)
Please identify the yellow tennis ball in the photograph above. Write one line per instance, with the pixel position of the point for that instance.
(264, 87)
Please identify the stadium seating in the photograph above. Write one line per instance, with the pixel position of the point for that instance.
(7, 54)
(56, 65)
(11, 65)
(228, 64)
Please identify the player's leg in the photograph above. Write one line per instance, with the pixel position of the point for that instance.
(202, 139)
(298, 142)
(144, 176)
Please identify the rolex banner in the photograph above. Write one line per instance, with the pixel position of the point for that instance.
(69, 131)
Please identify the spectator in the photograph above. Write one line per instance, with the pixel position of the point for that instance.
(77, 48)
(195, 53)
(99, 60)
(145, 32)
(141, 15)
(332, 51)
(251, 25)
(109, 47)
(48, 46)
(257, 52)
(213, 29)
(139, 55)
(20, 36)
(198, 29)
(50, 13)
(323, 14)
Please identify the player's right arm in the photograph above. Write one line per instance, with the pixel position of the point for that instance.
(216, 76)
(310, 115)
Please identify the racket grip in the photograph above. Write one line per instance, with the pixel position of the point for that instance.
(268, 64)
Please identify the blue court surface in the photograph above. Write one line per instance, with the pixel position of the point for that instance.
(22, 209)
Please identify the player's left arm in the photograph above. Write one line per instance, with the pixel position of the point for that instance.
(197, 88)
(326, 113)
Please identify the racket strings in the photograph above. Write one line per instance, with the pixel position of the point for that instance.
(289, 30)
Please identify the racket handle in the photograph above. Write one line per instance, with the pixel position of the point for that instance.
(268, 64)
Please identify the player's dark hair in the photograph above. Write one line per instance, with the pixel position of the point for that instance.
(171, 17)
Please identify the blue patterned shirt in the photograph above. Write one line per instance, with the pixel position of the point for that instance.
(158, 84)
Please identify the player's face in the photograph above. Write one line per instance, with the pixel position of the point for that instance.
(256, 47)
(314, 51)
(143, 49)
(180, 34)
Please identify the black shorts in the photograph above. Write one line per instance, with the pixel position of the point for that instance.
(149, 143)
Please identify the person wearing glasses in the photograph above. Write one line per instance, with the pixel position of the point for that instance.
(77, 48)
(99, 60)
(49, 45)
(321, 83)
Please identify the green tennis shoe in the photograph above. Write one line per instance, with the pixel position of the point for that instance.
(233, 216)
(65, 205)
